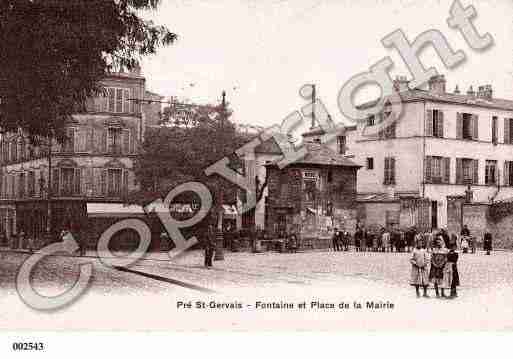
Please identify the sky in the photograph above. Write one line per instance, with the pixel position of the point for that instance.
(262, 51)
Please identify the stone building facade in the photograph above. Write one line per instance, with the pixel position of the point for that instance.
(423, 163)
(95, 164)
(312, 195)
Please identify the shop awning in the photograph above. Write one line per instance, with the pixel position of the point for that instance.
(96, 210)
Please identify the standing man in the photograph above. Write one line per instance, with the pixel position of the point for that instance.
(209, 245)
(335, 240)
(345, 240)
(487, 243)
(358, 238)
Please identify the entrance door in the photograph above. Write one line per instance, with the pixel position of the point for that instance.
(434, 214)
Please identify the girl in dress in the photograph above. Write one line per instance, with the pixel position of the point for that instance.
(419, 272)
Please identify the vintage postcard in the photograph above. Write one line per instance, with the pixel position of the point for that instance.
(256, 165)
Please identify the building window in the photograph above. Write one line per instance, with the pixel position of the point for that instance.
(70, 181)
(437, 169)
(67, 182)
(370, 163)
(114, 182)
(438, 123)
(310, 181)
(467, 171)
(495, 135)
(341, 143)
(389, 175)
(118, 101)
(69, 143)
(491, 172)
(467, 126)
(114, 140)
(330, 176)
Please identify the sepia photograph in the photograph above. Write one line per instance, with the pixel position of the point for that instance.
(255, 166)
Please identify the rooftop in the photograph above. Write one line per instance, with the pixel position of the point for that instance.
(446, 97)
(321, 155)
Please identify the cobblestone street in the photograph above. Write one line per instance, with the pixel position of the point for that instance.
(483, 301)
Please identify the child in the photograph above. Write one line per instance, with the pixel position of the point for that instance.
(451, 276)
(419, 273)
(464, 245)
(436, 272)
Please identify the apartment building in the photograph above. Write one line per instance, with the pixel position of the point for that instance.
(445, 146)
(95, 164)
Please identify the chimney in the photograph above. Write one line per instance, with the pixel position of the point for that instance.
(437, 84)
(471, 91)
(457, 90)
(401, 84)
(485, 92)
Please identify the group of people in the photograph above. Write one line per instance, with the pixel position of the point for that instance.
(437, 266)
(397, 240)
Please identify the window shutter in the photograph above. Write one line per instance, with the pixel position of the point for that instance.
(446, 170)
(505, 174)
(132, 96)
(96, 181)
(475, 124)
(427, 170)
(126, 100)
(385, 173)
(429, 123)
(103, 141)
(105, 101)
(392, 170)
(126, 141)
(440, 124)
(133, 133)
(88, 182)
(125, 182)
(459, 171)
(459, 125)
(77, 185)
(103, 182)
(90, 140)
(476, 172)
(507, 134)
(55, 182)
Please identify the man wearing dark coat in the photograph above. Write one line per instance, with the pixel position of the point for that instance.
(487, 243)
(209, 245)
(335, 240)
(454, 280)
(358, 238)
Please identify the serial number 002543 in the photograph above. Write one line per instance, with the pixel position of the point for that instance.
(27, 346)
